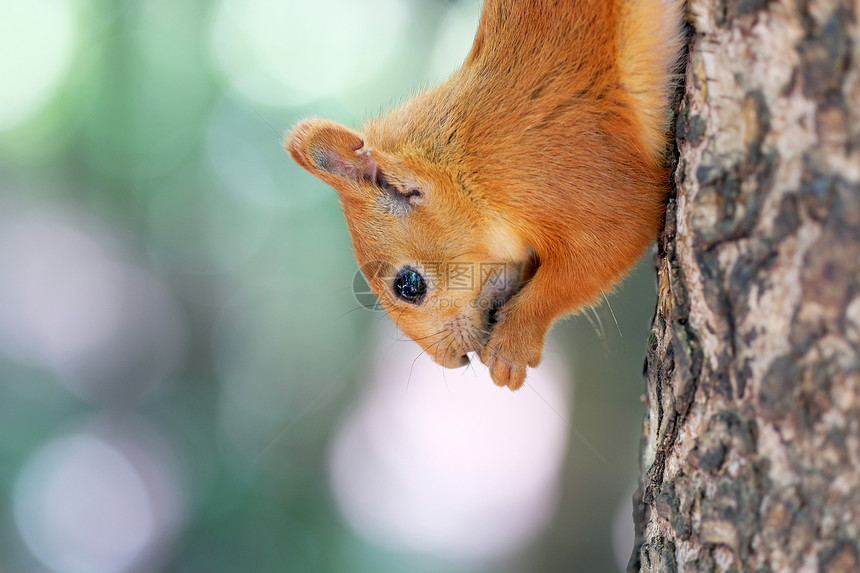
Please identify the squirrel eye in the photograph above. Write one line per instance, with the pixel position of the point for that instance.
(409, 285)
(382, 182)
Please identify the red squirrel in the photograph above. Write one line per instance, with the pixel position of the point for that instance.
(521, 189)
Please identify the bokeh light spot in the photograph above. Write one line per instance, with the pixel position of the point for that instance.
(455, 38)
(102, 500)
(69, 303)
(274, 53)
(37, 41)
(468, 471)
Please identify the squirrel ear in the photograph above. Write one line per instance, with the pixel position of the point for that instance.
(329, 149)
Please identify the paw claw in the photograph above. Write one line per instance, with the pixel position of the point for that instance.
(514, 345)
(503, 371)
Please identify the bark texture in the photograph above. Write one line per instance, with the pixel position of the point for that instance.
(751, 443)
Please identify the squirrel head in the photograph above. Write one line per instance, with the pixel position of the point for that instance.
(439, 261)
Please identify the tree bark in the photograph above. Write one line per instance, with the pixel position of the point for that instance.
(751, 444)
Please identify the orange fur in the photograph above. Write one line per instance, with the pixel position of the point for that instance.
(542, 153)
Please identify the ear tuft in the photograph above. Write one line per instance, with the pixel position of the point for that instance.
(329, 149)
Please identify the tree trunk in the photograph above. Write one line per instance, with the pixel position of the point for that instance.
(751, 444)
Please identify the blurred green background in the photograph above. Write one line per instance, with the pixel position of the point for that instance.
(186, 379)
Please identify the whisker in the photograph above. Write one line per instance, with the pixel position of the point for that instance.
(423, 351)
(350, 311)
(394, 341)
(291, 423)
(445, 379)
(602, 330)
(409, 378)
(470, 364)
(576, 432)
(437, 333)
(593, 326)
(275, 131)
(609, 306)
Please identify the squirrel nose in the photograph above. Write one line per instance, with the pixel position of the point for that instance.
(452, 360)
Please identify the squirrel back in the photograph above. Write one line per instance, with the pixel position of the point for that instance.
(519, 190)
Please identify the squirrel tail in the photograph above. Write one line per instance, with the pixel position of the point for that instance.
(650, 39)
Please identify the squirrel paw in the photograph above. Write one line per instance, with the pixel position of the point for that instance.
(508, 356)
